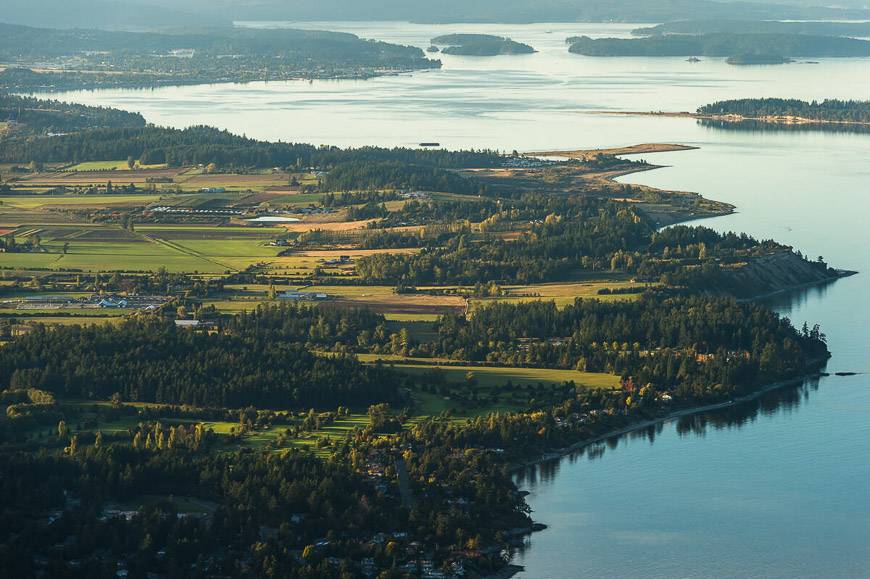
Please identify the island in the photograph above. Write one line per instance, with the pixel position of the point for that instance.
(41, 59)
(791, 111)
(230, 357)
(726, 26)
(828, 114)
(739, 48)
(480, 45)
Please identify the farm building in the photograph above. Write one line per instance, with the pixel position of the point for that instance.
(302, 296)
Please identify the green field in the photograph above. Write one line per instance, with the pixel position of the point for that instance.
(492, 376)
(100, 166)
(212, 250)
(29, 202)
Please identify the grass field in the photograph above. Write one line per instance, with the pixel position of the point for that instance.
(492, 377)
(31, 202)
(100, 166)
(205, 249)
(563, 293)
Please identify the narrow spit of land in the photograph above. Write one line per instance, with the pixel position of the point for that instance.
(733, 118)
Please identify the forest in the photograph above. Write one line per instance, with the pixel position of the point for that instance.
(40, 116)
(205, 145)
(480, 45)
(829, 110)
(262, 358)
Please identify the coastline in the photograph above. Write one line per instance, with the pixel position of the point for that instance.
(732, 118)
(558, 454)
(841, 273)
(580, 444)
(639, 149)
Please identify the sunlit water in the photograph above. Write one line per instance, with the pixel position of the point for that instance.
(777, 489)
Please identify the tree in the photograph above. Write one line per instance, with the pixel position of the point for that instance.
(131, 162)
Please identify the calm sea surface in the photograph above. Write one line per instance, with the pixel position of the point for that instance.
(778, 488)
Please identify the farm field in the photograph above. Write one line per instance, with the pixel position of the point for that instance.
(563, 294)
(45, 201)
(99, 173)
(110, 248)
(497, 376)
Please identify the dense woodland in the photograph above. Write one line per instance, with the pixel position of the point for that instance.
(39, 116)
(480, 45)
(263, 359)
(827, 110)
(692, 346)
(205, 145)
(565, 236)
(373, 176)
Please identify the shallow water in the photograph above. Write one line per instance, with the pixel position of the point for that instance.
(777, 489)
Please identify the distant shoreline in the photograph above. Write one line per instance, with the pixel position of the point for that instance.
(768, 119)
(585, 154)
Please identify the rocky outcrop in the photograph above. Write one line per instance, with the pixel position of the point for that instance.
(775, 273)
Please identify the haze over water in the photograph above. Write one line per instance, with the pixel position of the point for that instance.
(777, 489)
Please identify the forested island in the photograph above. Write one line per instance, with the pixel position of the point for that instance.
(726, 26)
(480, 45)
(743, 48)
(776, 110)
(41, 59)
(346, 393)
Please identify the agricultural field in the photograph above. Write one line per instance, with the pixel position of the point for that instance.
(99, 173)
(497, 376)
(44, 202)
(564, 294)
(110, 248)
(101, 166)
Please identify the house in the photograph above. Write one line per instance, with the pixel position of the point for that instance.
(195, 325)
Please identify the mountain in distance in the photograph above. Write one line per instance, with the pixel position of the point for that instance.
(517, 11)
(145, 14)
(107, 14)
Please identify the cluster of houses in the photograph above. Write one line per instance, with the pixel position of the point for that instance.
(518, 162)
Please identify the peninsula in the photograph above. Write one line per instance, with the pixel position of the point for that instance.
(309, 361)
